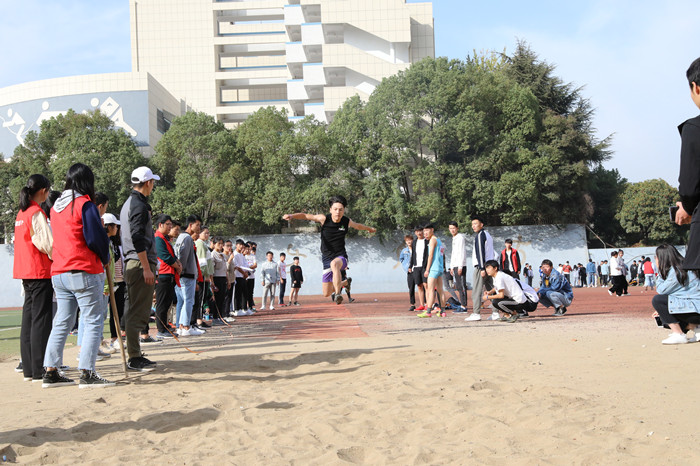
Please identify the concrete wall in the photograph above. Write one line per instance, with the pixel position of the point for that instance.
(374, 265)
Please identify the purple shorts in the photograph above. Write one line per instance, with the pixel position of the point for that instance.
(328, 272)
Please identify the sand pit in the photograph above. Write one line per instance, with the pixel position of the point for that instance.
(369, 383)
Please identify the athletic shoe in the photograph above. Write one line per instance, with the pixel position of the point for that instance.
(164, 335)
(473, 317)
(115, 345)
(63, 368)
(229, 319)
(442, 313)
(196, 331)
(272, 308)
(106, 347)
(296, 303)
(338, 298)
(626, 294)
(610, 292)
(675, 339)
(53, 379)
(424, 314)
(29, 379)
(512, 318)
(103, 354)
(460, 309)
(494, 316)
(240, 313)
(91, 379)
(262, 308)
(420, 308)
(19, 367)
(249, 312)
(204, 324)
(412, 308)
(523, 314)
(184, 332)
(149, 340)
(140, 364)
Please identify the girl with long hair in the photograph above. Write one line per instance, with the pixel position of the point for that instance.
(32, 264)
(678, 301)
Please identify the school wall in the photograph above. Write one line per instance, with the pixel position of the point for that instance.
(374, 264)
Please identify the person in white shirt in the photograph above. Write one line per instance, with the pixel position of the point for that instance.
(615, 275)
(270, 278)
(458, 265)
(419, 259)
(509, 295)
(240, 265)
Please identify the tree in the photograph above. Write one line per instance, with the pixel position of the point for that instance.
(644, 213)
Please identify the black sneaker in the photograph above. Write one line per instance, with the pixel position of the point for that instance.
(140, 365)
(347, 287)
(19, 367)
(91, 379)
(55, 379)
(412, 308)
(337, 298)
(149, 340)
(562, 310)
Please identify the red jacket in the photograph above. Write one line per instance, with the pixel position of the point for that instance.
(30, 263)
(70, 250)
(164, 268)
(514, 260)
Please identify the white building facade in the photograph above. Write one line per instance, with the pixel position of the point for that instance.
(230, 58)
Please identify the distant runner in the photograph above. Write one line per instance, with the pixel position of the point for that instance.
(334, 227)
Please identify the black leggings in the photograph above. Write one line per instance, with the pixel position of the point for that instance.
(660, 303)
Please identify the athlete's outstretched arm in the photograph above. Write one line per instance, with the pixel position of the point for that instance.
(303, 216)
(359, 226)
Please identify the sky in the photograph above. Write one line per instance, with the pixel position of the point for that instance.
(630, 57)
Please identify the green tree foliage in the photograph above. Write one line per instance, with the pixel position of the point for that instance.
(605, 189)
(644, 213)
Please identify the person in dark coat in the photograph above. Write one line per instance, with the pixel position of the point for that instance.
(689, 178)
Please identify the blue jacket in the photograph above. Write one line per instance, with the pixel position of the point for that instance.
(556, 283)
(405, 258)
(590, 267)
(681, 299)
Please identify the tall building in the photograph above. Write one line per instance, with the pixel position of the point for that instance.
(229, 58)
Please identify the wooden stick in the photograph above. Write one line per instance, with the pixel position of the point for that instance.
(115, 315)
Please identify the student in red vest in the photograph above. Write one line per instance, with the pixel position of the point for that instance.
(509, 261)
(33, 247)
(169, 269)
(80, 251)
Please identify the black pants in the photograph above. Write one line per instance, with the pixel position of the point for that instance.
(197, 307)
(509, 306)
(283, 289)
(660, 304)
(250, 287)
(219, 310)
(164, 299)
(36, 325)
(120, 300)
(411, 288)
(226, 310)
(617, 284)
(240, 294)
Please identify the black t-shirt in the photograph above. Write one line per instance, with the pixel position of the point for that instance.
(333, 237)
(295, 272)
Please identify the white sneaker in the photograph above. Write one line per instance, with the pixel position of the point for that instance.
(106, 347)
(675, 339)
(184, 332)
(239, 313)
(249, 312)
(197, 327)
(262, 308)
(494, 316)
(473, 317)
(229, 319)
(272, 308)
(194, 331)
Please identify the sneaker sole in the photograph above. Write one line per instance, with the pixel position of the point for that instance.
(56, 384)
(96, 385)
(142, 369)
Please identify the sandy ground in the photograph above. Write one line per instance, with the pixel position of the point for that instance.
(369, 383)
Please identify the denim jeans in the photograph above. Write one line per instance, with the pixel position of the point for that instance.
(185, 300)
(81, 324)
(554, 298)
(73, 290)
(591, 279)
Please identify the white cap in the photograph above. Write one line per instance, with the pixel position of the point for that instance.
(110, 219)
(143, 174)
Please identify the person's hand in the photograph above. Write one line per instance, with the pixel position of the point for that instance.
(483, 273)
(682, 217)
(459, 271)
(410, 270)
(178, 267)
(426, 274)
(106, 293)
(452, 272)
(148, 276)
(372, 230)
(485, 297)
(214, 288)
(196, 287)
(286, 217)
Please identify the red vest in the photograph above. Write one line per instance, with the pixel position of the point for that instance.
(29, 263)
(513, 259)
(164, 268)
(70, 251)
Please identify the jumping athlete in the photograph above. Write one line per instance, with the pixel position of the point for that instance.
(334, 227)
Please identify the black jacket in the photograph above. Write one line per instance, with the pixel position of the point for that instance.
(689, 178)
(425, 255)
